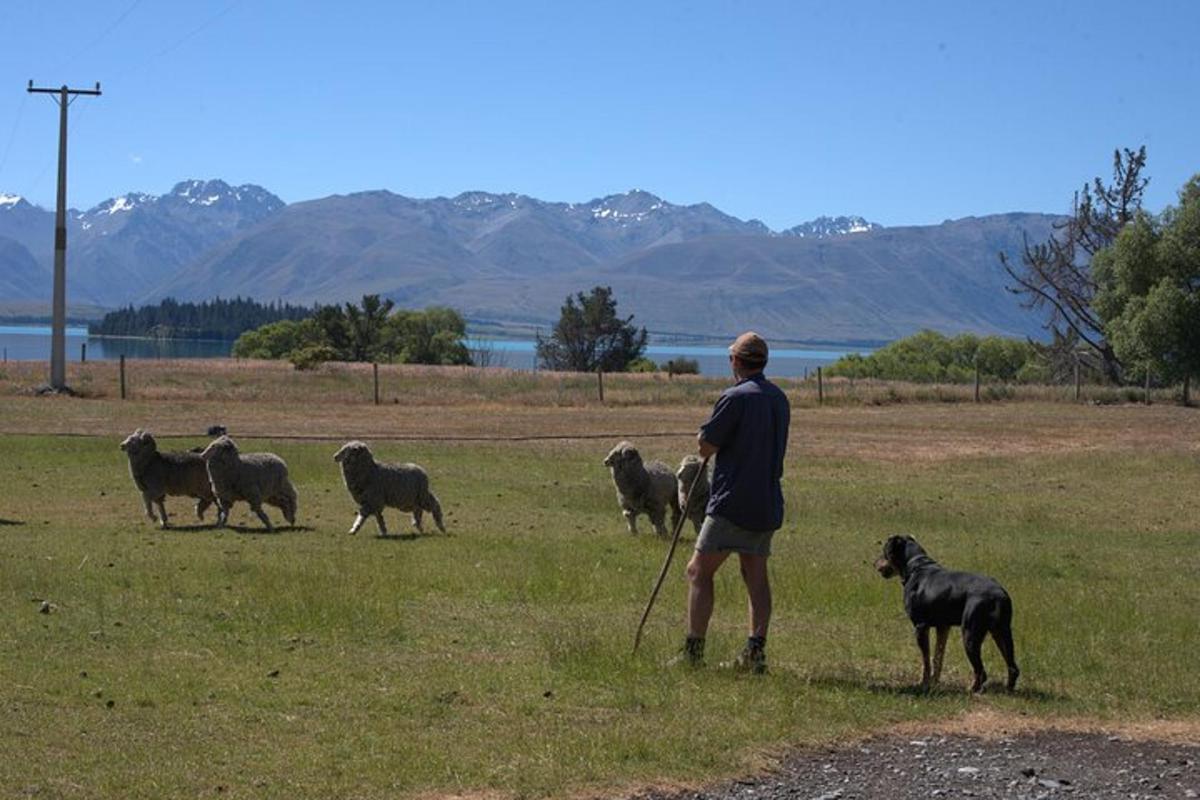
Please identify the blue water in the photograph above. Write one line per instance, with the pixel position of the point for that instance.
(713, 360)
(32, 343)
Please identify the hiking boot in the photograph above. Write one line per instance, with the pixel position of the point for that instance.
(690, 655)
(752, 659)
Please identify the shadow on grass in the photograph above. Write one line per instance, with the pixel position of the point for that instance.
(898, 688)
(259, 529)
(411, 536)
(12, 521)
(201, 527)
(192, 528)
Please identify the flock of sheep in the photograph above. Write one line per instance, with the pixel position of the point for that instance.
(650, 488)
(222, 475)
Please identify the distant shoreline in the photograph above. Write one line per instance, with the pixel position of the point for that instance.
(679, 343)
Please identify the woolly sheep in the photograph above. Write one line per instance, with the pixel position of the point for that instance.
(643, 488)
(160, 474)
(375, 486)
(256, 478)
(695, 506)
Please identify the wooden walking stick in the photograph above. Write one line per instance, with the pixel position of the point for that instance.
(637, 638)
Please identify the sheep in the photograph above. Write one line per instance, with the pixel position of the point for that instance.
(693, 508)
(375, 486)
(256, 478)
(643, 488)
(160, 474)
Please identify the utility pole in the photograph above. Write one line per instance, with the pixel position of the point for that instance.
(58, 331)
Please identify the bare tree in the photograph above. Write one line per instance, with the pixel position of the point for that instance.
(1055, 276)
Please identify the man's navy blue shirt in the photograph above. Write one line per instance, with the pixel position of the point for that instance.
(750, 426)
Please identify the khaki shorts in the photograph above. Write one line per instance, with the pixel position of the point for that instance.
(719, 535)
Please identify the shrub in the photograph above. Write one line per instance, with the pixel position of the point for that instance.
(682, 366)
(311, 357)
(642, 364)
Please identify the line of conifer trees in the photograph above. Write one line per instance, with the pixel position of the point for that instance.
(211, 319)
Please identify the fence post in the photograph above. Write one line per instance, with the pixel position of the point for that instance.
(122, 376)
(375, 370)
(1147, 384)
(806, 373)
(976, 383)
(83, 353)
(1077, 386)
(600, 383)
(820, 388)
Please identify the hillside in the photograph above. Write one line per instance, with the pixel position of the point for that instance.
(511, 260)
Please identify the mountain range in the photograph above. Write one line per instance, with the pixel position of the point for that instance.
(511, 260)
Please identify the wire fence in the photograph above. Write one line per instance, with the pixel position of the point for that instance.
(239, 380)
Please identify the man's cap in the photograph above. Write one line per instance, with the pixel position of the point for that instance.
(750, 348)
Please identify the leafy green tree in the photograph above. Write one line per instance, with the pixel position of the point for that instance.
(682, 366)
(335, 331)
(433, 336)
(1001, 358)
(277, 339)
(589, 336)
(930, 357)
(365, 325)
(1149, 289)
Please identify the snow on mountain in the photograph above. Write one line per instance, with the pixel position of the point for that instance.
(632, 206)
(207, 193)
(826, 227)
(10, 201)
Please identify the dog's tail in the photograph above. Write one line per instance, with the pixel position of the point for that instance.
(1001, 630)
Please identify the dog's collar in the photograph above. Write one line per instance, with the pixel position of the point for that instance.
(911, 565)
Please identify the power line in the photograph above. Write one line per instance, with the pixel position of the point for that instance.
(12, 136)
(105, 33)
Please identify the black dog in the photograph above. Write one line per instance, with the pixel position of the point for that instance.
(939, 598)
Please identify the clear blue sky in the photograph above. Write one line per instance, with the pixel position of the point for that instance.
(903, 112)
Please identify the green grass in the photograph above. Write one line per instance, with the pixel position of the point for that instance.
(309, 663)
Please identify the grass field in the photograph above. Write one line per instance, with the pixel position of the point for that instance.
(495, 661)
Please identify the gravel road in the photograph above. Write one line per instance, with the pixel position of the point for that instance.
(1041, 765)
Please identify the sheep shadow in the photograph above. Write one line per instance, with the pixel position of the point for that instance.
(411, 536)
(191, 527)
(11, 521)
(259, 530)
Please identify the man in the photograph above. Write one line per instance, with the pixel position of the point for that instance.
(747, 433)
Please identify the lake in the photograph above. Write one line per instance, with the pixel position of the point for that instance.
(32, 343)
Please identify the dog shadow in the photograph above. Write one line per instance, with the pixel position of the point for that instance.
(944, 688)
